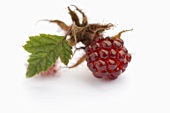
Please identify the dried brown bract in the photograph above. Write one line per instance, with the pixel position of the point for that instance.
(81, 32)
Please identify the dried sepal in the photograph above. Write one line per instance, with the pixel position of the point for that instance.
(119, 34)
(81, 60)
(84, 21)
(61, 24)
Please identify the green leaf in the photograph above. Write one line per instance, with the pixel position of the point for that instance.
(43, 42)
(45, 50)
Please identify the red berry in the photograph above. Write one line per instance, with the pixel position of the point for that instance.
(107, 57)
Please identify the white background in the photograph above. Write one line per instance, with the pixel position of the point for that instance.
(143, 88)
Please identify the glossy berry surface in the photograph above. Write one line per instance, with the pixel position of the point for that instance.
(107, 57)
